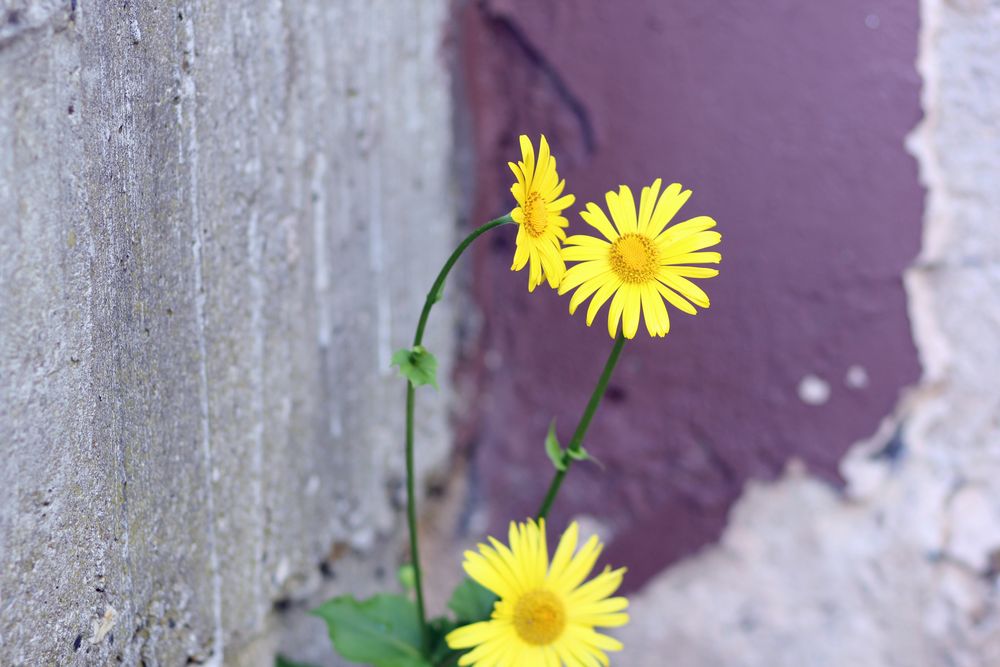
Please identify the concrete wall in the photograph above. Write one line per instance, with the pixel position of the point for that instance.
(216, 222)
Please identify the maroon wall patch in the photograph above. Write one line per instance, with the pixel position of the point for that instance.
(788, 121)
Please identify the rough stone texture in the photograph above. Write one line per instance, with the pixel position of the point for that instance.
(901, 569)
(788, 121)
(216, 222)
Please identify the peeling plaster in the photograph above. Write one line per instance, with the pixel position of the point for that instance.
(902, 568)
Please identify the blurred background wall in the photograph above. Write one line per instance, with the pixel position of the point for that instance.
(805, 474)
(217, 220)
(788, 122)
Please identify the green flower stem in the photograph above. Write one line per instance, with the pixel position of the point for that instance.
(411, 502)
(576, 443)
(435, 294)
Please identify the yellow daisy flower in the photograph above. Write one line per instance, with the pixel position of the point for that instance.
(546, 615)
(539, 215)
(641, 261)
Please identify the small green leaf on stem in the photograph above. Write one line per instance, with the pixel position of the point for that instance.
(581, 454)
(417, 365)
(471, 602)
(553, 449)
(382, 631)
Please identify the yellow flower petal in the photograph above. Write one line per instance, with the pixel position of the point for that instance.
(585, 290)
(693, 258)
(603, 294)
(581, 273)
(615, 312)
(690, 271)
(596, 218)
(688, 289)
(671, 201)
(686, 228)
(654, 313)
(553, 266)
(675, 299)
(688, 244)
(647, 202)
(622, 209)
(527, 159)
(633, 307)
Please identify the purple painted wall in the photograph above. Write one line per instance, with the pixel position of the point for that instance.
(788, 120)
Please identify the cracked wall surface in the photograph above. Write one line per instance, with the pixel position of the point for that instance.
(788, 122)
(901, 567)
(216, 222)
(832, 421)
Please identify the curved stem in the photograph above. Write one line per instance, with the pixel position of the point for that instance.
(576, 443)
(411, 503)
(435, 294)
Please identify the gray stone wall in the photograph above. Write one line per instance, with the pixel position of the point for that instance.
(217, 220)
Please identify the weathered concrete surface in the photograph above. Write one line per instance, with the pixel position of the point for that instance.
(216, 222)
(788, 121)
(900, 570)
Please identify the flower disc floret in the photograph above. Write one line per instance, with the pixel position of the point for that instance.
(536, 219)
(633, 258)
(539, 617)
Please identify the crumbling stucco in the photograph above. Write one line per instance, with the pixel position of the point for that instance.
(900, 569)
(216, 222)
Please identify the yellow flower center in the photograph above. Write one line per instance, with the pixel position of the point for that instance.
(633, 257)
(539, 617)
(536, 216)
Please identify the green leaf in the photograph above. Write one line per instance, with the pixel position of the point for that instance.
(417, 365)
(282, 661)
(581, 454)
(440, 652)
(382, 631)
(471, 602)
(553, 449)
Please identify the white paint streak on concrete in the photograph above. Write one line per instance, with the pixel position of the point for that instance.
(376, 239)
(383, 304)
(190, 103)
(321, 266)
(258, 291)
